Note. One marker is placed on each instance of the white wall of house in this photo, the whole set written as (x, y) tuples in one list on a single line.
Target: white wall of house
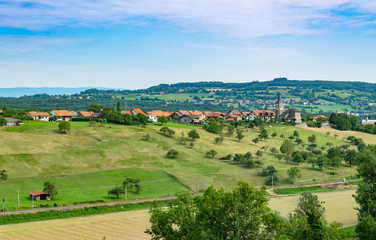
[(153, 118)]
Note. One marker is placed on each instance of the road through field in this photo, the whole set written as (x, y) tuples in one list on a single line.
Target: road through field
[(339, 207)]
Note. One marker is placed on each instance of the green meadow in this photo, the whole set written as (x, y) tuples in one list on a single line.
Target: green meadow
[(88, 161)]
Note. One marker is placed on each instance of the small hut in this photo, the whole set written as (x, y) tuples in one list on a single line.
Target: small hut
[(39, 196)]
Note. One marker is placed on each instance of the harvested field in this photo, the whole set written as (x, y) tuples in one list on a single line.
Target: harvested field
[(126, 226), (339, 206)]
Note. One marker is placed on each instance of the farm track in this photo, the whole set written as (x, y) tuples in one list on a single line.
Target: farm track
[(35, 210)]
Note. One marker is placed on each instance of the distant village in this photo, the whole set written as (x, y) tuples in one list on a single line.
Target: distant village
[(184, 116)]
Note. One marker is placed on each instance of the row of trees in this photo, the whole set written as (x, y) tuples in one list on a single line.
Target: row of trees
[(242, 213)]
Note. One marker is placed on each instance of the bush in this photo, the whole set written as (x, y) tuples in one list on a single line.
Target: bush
[(172, 153), (211, 153)]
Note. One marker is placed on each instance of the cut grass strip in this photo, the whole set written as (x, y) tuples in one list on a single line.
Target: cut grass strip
[(300, 190), (87, 211)]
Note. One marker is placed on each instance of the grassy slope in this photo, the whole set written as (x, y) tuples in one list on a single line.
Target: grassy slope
[(37, 150)]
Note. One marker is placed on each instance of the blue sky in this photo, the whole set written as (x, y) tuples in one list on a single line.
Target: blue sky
[(139, 43)]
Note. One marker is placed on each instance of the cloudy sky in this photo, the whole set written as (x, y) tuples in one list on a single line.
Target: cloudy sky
[(139, 43)]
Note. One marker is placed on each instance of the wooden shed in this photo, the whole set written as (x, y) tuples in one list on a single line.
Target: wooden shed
[(39, 196)]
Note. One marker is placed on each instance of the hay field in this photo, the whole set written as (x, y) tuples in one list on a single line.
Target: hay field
[(131, 225), (339, 206), (125, 226), (367, 138)]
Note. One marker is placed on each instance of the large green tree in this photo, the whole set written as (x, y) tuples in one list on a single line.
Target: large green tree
[(50, 188), (218, 214)]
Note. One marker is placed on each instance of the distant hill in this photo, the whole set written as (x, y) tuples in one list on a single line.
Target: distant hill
[(26, 91), (313, 96)]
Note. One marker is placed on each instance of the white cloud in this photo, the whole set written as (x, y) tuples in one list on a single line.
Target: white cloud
[(233, 18), (12, 45)]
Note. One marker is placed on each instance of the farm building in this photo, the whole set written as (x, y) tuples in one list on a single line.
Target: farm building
[(88, 114), (155, 114), (41, 116), (12, 121), (39, 196), (62, 115)]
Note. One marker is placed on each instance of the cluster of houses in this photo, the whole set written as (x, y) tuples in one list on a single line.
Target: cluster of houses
[(182, 116)]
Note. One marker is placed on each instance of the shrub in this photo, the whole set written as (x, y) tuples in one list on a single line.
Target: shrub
[(211, 153), (172, 153)]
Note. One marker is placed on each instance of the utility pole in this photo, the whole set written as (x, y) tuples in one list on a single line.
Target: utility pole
[(18, 199), (125, 192), (272, 181), (323, 172), (196, 182), (3, 204), (32, 198), (206, 185)]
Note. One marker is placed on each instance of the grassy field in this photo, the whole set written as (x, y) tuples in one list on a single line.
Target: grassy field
[(131, 225), (37, 150), (81, 188)]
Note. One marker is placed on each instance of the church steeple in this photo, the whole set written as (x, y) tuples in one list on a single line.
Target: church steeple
[(279, 106)]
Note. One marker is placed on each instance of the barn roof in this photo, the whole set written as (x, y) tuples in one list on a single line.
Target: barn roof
[(37, 193)]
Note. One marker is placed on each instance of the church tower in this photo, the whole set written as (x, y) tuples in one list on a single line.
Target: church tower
[(279, 107)]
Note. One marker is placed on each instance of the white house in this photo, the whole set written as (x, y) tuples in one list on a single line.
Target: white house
[(265, 115), (62, 115), (41, 116)]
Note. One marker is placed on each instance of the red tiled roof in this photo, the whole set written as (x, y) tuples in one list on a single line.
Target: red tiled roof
[(159, 113), (236, 112), (263, 112), (38, 114), (37, 193), (1, 111), (86, 114), (126, 112), (62, 113), (319, 116), (138, 110)]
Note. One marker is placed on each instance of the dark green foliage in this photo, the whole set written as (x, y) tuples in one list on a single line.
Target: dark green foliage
[(274, 134), (213, 126), (163, 119), (218, 140), (95, 108), (297, 157), (132, 183), (239, 134), (294, 173), (230, 130), (64, 126), (256, 140), (263, 134), (296, 134), (287, 147), (268, 171), (312, 139), (116, 191), (167, 131), (240, 214), (50, 188), (211, 153), (193, 135), (172, 154), (3, 175)]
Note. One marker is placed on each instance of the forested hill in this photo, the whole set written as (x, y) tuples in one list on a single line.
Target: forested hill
[(309, 96)]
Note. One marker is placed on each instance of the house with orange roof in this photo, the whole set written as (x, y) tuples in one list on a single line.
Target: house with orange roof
[(1, 111), (41, 116), (234, 113), (265, 115), (62, 115), (136, 111), (85, 114), (215, 115), (127, 112), (155, 114)]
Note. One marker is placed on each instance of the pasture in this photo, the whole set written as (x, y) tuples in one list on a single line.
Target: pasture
[(82, 188), (90, 157), (339, 206)]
